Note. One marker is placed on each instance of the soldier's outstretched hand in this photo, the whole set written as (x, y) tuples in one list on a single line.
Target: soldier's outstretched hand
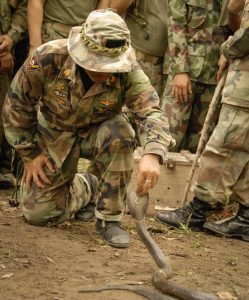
[(34, 171), (148, 173)]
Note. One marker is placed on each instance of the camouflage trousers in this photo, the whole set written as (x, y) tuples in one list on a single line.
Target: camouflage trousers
[(224, 164), (5, 149), (54, 31), (153, 68), (186, 119), (110, 148)]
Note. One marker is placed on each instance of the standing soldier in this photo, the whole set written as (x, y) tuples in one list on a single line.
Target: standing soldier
[(147, 21), (12, 29), (195, 36), (224, 165), (51, 20)]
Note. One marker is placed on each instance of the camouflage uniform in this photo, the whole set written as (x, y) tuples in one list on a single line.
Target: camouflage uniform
[(147, 21), (14, 25), (61, 15), (194, 42), (48, 110), (224, 168)]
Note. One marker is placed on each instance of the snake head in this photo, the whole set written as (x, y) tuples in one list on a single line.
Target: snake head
[(137, 205)]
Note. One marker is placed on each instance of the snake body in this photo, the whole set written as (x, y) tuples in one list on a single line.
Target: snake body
[(138, 207)]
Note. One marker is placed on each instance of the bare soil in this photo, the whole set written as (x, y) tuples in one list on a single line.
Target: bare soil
[(55, 263)]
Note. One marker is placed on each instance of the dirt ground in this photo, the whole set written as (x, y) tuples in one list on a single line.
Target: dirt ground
[(55, 263)]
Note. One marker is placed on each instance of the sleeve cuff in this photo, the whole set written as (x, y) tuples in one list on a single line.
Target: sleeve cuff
[(29, 154), (225, 47), (157, 149), (179, 68)]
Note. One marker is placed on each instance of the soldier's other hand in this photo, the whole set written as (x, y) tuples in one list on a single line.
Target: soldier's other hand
[(148, 173), (181, 87), (33, 48), (6, 44), (34, 171), (223, 63), (6, 63)]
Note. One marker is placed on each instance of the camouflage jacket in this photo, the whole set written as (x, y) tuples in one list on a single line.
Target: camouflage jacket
[(195, 38), (13, 19), (47, 107), (236, 49)]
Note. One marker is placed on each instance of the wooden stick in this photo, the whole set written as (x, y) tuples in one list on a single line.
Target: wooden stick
[(204, 134)]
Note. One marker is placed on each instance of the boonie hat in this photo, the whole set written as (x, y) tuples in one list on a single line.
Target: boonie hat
[(102, 43)]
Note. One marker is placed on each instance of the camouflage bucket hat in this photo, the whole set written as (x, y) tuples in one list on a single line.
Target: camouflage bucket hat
[(102, 43)]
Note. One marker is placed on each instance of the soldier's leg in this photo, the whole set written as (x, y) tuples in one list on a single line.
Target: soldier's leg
[(178, 114), (111, 147), (234, 176), (221, 166), (62, 199), (202, 97), (224, 158)]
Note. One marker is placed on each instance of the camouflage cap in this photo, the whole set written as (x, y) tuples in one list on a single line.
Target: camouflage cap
[(102, 43)]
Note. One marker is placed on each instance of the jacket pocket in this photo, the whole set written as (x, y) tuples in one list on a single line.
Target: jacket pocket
[(197, 13), (56, 100), (196, 57)]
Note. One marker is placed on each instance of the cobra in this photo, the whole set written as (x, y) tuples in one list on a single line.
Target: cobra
[(161, 278)]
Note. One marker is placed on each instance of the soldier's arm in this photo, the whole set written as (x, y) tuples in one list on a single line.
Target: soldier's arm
[(236, 6), (177, 36), (234, 10), (17, 29), (18, 26), (35, 18), (103, 4), (152, 125), (19, 111), (120, 5), (237, 45)]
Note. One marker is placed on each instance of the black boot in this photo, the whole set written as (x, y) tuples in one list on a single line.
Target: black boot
[(113, 233), (193, 215), (237, 226)]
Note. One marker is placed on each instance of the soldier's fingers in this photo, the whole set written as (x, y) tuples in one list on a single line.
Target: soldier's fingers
[(28, 179), (180, 97), (37, 181), (173, 93), (140, 183), (49, 165), (43, 176), (185, 94)]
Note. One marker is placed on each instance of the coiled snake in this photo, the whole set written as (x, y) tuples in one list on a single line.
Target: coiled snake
[(138, 207)]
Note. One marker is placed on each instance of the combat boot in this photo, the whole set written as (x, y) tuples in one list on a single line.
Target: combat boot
[(193, 215), (237, 226), (113, 233), (86, 213)]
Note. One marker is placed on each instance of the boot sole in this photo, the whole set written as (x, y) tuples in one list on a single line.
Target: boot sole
[(242, 237)]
